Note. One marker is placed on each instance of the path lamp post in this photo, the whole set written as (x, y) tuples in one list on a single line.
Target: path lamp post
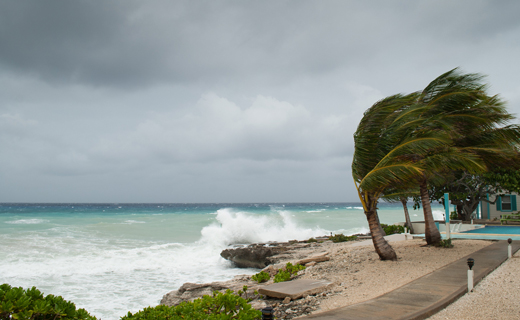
[(268, 313), (509, 249), (471, 263)]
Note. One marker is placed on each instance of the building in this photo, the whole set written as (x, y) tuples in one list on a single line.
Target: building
[(505, 204)]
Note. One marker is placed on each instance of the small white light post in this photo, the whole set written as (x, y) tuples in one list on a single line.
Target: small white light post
[(509, 248), (471, 263)]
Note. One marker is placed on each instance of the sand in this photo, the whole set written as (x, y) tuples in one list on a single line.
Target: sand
[(359, 275)]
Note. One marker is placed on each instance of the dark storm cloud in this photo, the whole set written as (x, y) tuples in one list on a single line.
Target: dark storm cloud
[(119, 43)]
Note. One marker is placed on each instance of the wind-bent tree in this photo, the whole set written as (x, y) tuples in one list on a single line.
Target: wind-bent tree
[(411, 140), (379, 163), (458, 105)]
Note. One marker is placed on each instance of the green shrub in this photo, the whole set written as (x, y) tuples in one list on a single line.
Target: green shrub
[(17, 303), (312, 240), (392, 229), (261, 277), (218, 306), (446, 243), (454, 215), (286, 273), (342, 238)]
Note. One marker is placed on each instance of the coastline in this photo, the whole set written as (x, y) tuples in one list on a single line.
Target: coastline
[(357, 274)]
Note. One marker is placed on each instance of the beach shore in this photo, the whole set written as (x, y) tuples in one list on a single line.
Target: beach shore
[(358, 274)]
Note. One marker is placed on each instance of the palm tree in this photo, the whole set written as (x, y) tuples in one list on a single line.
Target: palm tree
[(458, 105), (379, 162), (409, 140)]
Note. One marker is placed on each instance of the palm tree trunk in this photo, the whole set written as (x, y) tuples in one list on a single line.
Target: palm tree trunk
[(383, 249), (432, 234), (407, 214)]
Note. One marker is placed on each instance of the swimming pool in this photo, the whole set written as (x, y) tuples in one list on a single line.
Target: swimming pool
[(515, 230)]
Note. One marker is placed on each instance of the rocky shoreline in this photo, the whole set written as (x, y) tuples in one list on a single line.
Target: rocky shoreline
[(353, 268)]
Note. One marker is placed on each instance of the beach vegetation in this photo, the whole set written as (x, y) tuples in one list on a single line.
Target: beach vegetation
[(342, 238), (414, 141), (311, 240), (17, 303), (446, 243), (454, 215), (217, 306), (286, 273), (260, 277), (392, 229)]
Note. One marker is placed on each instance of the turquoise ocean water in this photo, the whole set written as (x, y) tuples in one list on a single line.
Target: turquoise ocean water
[(115, 258)]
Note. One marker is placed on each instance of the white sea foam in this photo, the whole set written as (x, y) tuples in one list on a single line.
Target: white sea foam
[(438, 214), (234, 227), (133, 221), (27, 221), (356, 208)]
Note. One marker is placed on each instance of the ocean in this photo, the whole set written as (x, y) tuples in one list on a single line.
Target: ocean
[(115, 258)]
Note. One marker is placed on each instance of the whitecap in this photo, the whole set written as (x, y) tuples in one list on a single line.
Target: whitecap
[(27, 221), (132, 222)]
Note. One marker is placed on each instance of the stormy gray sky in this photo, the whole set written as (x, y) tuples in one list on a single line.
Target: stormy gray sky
[(221, 101)]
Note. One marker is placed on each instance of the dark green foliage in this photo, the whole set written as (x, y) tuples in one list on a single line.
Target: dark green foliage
[(20, 304), (392, 229), (261, 277), (342, 238), (454, 215), (312, 240), (219, 306), (445, 243), (286, 273)]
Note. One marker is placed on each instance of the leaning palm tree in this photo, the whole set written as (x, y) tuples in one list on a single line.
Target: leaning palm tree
[(381, 162), (458, 105), (405, 141)]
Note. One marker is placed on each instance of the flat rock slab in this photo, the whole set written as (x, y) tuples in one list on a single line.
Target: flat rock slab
[(295, 289)]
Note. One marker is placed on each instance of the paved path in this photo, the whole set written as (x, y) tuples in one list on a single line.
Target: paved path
[(429, 294)]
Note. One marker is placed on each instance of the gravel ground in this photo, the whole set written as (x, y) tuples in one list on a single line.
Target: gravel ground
[(496, 297)]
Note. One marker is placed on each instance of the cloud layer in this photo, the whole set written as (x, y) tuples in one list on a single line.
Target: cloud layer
[(160, 101)]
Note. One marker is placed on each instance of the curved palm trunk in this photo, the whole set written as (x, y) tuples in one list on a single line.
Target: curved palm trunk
[(407, 214), (432, 234), (383, 249)]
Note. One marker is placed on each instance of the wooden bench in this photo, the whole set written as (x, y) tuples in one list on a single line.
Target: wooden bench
[(515, 217)]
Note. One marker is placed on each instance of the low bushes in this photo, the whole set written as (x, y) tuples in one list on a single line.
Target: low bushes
[(218, 306), (342, 238), (391, 229), (20, 304), (282, 275)]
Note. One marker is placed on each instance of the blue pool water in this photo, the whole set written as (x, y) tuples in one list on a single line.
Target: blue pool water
[(496, 230)]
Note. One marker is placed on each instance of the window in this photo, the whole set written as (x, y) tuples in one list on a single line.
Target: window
[(506, 203)]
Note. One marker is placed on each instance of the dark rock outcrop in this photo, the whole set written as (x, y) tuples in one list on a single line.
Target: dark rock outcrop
[(260, 255)]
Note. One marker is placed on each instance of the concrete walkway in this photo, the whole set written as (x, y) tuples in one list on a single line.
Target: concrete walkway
[(429, 294)]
